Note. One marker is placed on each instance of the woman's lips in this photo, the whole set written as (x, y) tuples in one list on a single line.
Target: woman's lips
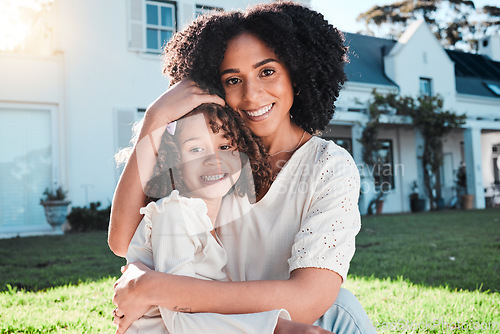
[(259, 113)]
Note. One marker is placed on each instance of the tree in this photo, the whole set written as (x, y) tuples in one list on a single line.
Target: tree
[(456, 23), (433, 122)]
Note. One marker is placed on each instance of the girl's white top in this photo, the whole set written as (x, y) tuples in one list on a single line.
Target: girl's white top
[(308, 218), (174, 237)]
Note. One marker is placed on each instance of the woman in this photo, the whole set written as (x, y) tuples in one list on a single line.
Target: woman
[(280, 66)]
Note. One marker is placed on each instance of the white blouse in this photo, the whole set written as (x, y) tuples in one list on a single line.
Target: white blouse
[(308, 218), (174, 237)]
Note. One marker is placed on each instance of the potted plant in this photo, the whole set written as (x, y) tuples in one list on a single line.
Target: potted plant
[(467, 200), (417, 204), (379, 202), (56, 207)]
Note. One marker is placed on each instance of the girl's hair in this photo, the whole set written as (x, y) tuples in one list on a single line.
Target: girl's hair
[(312, 50), (167, 174)]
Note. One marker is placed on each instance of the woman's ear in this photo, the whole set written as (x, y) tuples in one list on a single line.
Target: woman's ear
[(296, 91)]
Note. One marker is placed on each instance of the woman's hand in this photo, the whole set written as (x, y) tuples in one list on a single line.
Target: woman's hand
[(177, 101), (130, 296), (291, 327)]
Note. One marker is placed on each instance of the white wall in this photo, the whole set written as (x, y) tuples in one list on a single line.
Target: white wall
[(419, 55)]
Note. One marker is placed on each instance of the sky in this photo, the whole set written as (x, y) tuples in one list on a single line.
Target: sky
[(342, 13)]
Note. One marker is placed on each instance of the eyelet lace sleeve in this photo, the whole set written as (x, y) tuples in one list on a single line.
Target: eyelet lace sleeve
[(326, 238)]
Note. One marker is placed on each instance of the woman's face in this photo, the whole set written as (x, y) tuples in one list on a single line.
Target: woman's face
[(210, 164), (257, 84)]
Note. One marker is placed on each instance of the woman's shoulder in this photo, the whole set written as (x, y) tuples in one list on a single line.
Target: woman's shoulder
[(327, 152)]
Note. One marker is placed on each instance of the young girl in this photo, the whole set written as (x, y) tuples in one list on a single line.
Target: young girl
[(281, 67), (200, 160)]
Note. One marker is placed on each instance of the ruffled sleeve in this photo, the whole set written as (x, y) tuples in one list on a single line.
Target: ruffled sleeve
[(169, 205), (326, 238)]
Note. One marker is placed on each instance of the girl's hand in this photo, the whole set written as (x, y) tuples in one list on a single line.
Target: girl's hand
[(177, 101), (291, 327), (130, 296)]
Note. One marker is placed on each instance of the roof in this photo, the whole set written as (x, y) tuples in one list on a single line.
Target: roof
[(366, 62), (473, 72)]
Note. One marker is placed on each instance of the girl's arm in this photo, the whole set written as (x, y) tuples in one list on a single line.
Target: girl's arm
[(307, 295), (129, 195)]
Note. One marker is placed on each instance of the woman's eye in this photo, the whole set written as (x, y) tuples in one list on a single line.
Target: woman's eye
[(232, 81), (267, 72)]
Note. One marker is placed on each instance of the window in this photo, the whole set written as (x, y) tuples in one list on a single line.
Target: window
[(160, 24), (425, 87), (202, 9), (494, 88), (151, 23), (496, 163), (344, 142), (28, 165), (383, 171)]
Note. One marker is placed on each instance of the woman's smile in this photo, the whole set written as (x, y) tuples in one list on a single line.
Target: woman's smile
[(257, 113)]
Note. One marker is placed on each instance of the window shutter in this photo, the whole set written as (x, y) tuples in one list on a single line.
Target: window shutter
[(136, 25), (124, 122)]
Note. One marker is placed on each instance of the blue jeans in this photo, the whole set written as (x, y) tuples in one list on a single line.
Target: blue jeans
[(346, 316)]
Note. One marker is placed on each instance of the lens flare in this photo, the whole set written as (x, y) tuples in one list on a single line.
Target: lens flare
[(17, 18)]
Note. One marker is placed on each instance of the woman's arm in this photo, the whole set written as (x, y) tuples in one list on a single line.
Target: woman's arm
[(129, 195), (307, 295), (168, 238)]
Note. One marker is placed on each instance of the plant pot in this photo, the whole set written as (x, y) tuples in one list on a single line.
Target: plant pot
[(379, 205), (440, 203), (467, 201), (417, 204), (56, 213), (413, 196), (488, 201)]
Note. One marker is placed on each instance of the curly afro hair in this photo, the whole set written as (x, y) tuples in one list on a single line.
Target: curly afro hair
[(167, 174), (312, 50)]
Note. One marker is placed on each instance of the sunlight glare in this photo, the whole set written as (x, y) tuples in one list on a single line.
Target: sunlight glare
[(17, 18)]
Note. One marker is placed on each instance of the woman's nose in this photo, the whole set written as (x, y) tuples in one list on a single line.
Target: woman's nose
[(251, 89)]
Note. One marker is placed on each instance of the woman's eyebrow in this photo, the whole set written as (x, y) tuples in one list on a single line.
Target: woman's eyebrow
[(264, 62), (257, 65)]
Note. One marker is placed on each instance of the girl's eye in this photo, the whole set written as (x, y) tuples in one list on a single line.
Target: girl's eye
[(196, 149), (267, 72), (225, 147), (232, 81)]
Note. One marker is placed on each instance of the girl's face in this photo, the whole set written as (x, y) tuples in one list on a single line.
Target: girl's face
[(257, 84), (210, 164)]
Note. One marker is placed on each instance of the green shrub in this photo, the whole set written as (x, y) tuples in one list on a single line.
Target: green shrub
[(83, 219)]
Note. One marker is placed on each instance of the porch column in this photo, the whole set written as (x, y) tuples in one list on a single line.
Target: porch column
[(367, 186), (472, 150)]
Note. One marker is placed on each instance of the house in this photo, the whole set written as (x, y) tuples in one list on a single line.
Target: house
[(413, 65), (71, 91), (88, 70)]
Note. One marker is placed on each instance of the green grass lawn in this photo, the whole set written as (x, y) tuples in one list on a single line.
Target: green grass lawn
[(420, 273)]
